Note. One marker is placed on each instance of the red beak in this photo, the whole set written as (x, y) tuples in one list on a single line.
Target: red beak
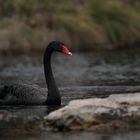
[(66, 51)]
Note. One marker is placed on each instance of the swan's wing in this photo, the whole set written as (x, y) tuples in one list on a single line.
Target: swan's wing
[(22, 94)]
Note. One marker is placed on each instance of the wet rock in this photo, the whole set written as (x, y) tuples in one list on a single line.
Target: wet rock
[(115, 113)]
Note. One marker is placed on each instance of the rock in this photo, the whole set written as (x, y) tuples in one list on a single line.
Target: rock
[(114, 113)]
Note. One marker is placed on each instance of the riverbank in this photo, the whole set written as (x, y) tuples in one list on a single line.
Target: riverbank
[(26, 27)]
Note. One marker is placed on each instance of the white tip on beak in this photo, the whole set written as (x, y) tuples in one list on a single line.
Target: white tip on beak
[(69, 53)]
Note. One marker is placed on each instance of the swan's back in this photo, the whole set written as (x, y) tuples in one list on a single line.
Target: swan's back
[(22, 94)]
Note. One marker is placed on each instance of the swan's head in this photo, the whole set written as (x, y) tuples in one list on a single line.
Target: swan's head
[(60, 47)]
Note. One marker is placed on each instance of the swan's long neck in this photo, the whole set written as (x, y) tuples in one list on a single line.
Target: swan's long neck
[(53, 97)]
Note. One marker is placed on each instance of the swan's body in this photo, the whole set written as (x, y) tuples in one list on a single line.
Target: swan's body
[(22, 94)]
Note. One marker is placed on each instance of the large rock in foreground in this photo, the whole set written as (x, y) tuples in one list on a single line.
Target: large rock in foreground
[(117, 112)]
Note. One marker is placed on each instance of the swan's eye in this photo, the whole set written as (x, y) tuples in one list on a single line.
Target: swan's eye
[(66, 51)]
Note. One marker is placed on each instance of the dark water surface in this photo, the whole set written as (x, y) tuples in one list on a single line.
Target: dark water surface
[(81, 76), (79, 136)]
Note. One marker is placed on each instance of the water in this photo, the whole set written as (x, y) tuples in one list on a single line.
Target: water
[(81, 76), (80, 136)]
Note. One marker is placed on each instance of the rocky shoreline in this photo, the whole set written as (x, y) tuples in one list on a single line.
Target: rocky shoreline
[(116, 113)]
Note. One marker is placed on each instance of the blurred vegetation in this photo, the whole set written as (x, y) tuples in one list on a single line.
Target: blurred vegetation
[(28, 25)]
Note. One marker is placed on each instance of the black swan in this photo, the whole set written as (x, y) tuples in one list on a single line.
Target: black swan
[(21, 94)]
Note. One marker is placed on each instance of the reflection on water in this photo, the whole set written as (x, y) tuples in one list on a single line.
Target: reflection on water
[(78, 77), (27, 111), (79, 136)]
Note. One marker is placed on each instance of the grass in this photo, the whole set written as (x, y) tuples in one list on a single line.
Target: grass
[(27, 26)]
